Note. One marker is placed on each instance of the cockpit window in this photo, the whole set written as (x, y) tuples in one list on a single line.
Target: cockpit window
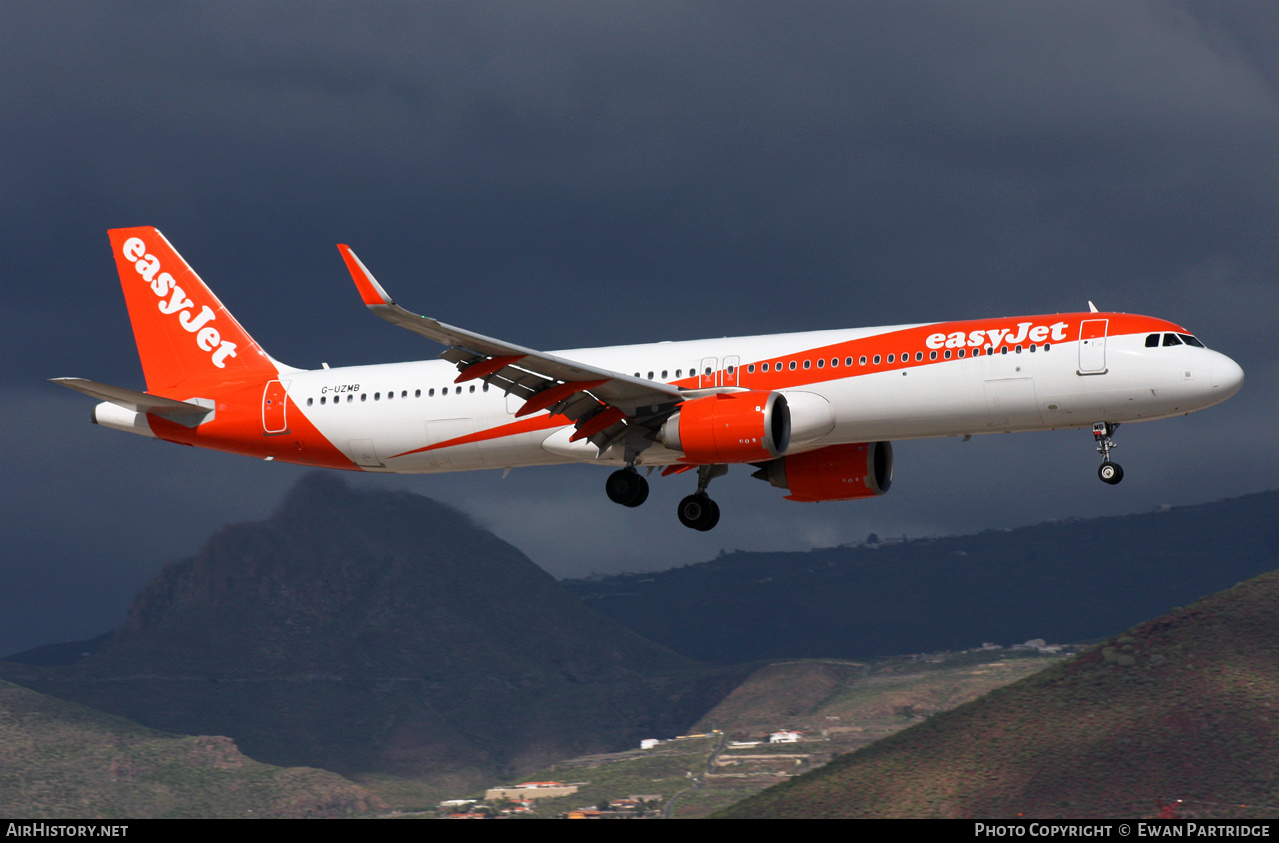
[(1171, 339), (1189, 340), (1152, 341)]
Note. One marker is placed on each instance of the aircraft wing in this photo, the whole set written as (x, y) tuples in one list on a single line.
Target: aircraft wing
[(603, 403)]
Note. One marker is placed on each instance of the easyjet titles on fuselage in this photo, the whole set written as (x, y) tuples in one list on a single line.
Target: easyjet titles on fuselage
[(994, 336)]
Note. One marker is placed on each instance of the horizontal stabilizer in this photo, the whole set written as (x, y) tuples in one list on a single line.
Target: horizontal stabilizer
[(138, 402)]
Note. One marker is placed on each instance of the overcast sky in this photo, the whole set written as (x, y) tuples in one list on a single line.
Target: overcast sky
[(572, 174)]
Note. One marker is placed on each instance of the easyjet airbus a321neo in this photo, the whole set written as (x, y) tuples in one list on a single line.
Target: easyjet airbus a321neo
[(813, 412)]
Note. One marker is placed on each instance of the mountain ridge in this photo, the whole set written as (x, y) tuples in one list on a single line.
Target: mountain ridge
[(1064, 581), (380, 633)]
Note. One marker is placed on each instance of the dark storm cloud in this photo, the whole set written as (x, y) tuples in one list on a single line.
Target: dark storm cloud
[(570, 174)]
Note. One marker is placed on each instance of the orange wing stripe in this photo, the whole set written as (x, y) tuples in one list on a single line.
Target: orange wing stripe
[(484, 368), (555, 394), (609, 417)]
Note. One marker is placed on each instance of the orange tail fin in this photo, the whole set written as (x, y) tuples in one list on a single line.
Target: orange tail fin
[(185, 336)]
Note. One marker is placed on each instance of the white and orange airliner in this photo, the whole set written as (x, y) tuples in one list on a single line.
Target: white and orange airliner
[(813, 412)]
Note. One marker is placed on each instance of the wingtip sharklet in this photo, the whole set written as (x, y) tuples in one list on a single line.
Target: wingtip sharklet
[(370, 290)]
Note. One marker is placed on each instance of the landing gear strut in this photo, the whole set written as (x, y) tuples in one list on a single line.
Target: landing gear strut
[(627, 487), (698, 511), (1109, 472)]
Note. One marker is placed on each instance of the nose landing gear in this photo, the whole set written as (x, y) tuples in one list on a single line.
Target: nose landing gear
[(1109, 472)]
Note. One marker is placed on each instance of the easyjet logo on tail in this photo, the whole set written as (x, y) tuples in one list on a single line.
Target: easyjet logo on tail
[(173, 300)]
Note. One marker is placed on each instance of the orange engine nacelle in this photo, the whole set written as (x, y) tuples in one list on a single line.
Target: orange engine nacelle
[(730, 427), (833, 473)]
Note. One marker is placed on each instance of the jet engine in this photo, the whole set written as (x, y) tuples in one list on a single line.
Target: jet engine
[(730, 427), (833, 473)]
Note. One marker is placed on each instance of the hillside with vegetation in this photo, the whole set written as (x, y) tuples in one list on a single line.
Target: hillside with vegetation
[(1183, 707), (835, 707), (61, 760)]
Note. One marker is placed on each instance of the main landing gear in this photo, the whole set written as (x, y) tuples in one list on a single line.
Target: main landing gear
[(627, 487), (1109, 472), (698, 511)]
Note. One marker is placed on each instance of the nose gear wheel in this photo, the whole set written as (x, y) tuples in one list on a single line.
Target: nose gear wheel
[(1109, 472)]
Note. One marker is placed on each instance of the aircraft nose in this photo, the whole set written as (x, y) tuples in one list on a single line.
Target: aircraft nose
[(1227, 377)]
